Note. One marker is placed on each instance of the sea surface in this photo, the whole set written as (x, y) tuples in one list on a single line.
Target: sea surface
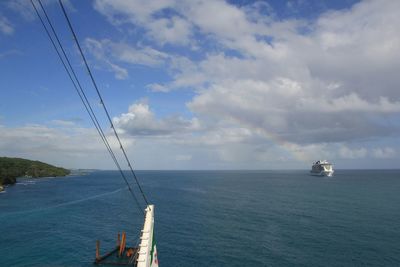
[(208, 218)]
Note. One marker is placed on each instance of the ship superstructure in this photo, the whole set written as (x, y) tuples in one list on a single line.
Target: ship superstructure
[(322, 168)]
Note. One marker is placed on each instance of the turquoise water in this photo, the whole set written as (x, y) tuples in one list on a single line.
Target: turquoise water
[(209, 218)]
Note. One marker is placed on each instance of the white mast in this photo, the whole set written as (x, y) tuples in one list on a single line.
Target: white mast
[(146, 243)]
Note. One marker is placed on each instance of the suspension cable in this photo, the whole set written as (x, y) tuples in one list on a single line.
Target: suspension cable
[(101, 100), (81, 92)]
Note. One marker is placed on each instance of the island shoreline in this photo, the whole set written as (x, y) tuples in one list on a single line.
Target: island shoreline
[(13, 168)]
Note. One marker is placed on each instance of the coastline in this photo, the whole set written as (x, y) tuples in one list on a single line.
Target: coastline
[(22, 178)]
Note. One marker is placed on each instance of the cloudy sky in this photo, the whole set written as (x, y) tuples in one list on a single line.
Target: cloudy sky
[(207, 84)]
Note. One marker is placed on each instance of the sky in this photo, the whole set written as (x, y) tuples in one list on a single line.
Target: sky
[(206, 84)]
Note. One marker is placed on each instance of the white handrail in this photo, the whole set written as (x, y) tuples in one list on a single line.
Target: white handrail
[(144, 259)]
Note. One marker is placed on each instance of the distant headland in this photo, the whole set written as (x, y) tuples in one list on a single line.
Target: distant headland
[(12, 168)]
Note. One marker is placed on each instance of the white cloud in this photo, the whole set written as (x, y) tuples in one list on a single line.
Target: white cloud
[(304, 84), (97, 49), (183, 157), (50, 144), (24, 7), (266, 89), (146, 56), (173, 29), (10, 53), (348, 153), (138, 11), (120, 72), (362, 152), (5, 26), (219, 18), (64, 123), (308, 83), (107, 52), (384, 153), (141, 121), (351, 102), (67, 144), (155, 87)]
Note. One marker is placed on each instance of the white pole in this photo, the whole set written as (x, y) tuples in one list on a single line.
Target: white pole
[(144, 258)]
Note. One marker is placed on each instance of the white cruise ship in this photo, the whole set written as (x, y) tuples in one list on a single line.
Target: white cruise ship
[(322, 168)]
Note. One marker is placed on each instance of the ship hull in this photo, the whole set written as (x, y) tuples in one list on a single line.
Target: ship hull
[(322, 173)]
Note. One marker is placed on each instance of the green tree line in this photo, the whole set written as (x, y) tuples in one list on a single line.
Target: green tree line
[(11, 168)]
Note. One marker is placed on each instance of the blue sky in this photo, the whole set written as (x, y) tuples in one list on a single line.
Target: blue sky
[(207, 84)]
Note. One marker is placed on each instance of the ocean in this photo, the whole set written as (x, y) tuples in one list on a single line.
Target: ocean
[(208, 218)]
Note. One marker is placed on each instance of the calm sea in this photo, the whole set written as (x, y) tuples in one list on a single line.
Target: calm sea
[(209, 218)]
